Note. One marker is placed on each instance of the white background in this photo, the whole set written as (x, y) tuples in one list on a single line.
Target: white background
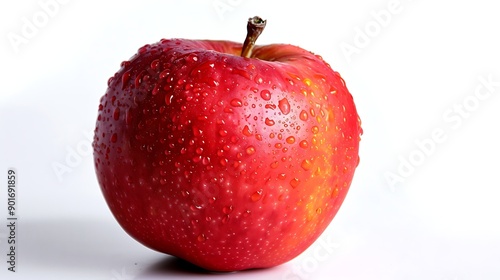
[(413, 68)]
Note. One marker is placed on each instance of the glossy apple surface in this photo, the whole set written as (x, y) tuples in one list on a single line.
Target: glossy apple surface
[(228, 162)]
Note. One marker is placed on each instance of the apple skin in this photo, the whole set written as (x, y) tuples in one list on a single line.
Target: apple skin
[(227, 162)]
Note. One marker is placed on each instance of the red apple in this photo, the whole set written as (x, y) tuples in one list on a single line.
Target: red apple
[(228, 161)]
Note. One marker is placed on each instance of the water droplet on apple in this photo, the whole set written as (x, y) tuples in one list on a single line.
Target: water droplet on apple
[(156, 89), (242, 72), (250, 150), (222, 132), (227, 209), (284, 106), (246, 131), (201, 238), (138, 80), (125, 63), (307, 81), (315, 142), (270, 106), (318, 211), (258, 137), (205, 161), (143, 49), (256, 196), (306, 164), (303, 144), (197, 132), (247, 213), (168, 99), (225, 219), (315, 129), (303, 115), (269, 122), (290, 140), (125, 79), (294, 182), (155, 64), (265, 94), (192, 57), (275, 164), (236, 102), (164, 74), (195, 207), (110, 80), (197, 159), (116, 113)]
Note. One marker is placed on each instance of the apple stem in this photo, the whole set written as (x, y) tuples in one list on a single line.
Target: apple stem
[(254, 29)]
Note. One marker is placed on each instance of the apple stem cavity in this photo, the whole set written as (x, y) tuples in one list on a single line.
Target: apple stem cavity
[(255, 27)]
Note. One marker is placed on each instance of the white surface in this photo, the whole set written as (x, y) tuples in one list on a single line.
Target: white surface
[(408, 78)]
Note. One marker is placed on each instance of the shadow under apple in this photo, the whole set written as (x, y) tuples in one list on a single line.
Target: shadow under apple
[(170, 265)]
